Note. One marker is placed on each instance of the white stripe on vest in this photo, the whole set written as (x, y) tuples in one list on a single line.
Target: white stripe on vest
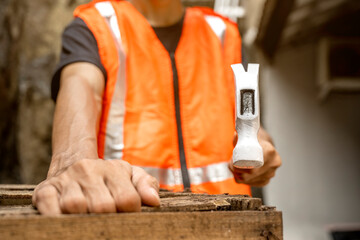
[(114, 139)]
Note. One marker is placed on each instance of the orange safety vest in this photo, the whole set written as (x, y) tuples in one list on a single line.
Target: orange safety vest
[(138, 120)]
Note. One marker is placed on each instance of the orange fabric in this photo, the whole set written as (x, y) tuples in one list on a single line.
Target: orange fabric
[(206, 89), (227, 186)]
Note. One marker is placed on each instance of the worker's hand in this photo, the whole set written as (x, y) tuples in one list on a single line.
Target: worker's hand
[(259, 177), (96, 186)]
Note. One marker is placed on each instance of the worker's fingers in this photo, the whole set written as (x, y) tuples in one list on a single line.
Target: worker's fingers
[(259, 180), (121, 187), (256, 172), (89, 175), (72, 199), (238, 172), (34, 196), (259, 176), (147, 187), (271, 156), (96, 186), (46, 200), (238, 178), (99, 199)]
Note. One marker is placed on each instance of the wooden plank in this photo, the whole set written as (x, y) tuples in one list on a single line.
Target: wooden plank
[(180, 216), (204, 202), (170, 201), (21, 210), (170, 225), (16, 194), (17, 187), (17, 210), (15, 197), (194, 202)]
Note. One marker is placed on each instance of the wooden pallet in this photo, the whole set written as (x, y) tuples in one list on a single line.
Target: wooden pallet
[(180, 216)]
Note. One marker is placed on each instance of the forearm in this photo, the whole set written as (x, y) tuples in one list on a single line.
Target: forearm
[(76, 121)]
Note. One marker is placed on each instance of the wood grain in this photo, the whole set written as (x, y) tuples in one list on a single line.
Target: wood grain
[(180, 216), (180, 225), (15, 194)]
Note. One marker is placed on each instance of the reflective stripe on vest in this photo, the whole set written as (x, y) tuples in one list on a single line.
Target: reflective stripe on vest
[(212, 173), (218, 26), (114, 140)]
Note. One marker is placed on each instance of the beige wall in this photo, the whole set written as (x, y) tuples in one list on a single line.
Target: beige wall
[(319, 182)]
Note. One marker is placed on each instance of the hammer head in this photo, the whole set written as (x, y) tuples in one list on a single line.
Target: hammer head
[(247, 152)]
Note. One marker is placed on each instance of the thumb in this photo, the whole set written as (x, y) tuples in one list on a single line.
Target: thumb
[(146, 186)]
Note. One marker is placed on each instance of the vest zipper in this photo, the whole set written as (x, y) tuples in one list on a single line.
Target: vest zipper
[(184, 170)]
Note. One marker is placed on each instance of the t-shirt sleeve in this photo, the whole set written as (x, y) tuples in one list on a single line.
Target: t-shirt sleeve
[(78, 45)]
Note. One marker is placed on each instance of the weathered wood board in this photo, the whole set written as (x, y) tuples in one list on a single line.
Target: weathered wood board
[(180, 216), (16, 194)]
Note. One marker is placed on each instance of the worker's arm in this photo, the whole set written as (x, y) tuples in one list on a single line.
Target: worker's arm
[(259, 177), (78, 181)]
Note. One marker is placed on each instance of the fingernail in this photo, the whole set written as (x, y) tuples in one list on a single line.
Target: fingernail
[(155, 193)]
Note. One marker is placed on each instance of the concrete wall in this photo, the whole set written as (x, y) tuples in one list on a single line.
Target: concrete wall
[(319, 182)]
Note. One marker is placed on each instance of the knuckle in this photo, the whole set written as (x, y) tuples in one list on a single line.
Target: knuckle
[(278, 162), (124, 164), (152, 181), (45, 193), (270, 149), (139, 175), (120, 165), (139, 170)]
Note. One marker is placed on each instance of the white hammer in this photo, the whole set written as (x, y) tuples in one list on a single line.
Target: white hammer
[(247, 152)]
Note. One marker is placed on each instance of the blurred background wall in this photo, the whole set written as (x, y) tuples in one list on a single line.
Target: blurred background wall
[(29, 47), (319, 142), (309, 52)]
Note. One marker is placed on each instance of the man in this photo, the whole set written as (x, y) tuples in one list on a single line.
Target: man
[(148, 85)]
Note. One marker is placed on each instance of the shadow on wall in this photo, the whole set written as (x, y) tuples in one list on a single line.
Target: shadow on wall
[(30, 38)]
